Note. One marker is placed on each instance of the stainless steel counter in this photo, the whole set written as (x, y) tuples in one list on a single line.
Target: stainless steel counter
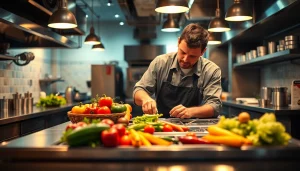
[(40, 151), (255, 107)]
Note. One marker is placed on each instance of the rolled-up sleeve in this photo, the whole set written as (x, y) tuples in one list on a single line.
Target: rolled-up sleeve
[(212, 91), (148, 80)]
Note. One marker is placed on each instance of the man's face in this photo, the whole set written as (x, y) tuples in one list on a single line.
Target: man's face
[(186, 56)]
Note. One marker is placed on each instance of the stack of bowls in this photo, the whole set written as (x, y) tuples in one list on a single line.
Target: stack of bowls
[(291, 42), (261, 51), (280, 47)]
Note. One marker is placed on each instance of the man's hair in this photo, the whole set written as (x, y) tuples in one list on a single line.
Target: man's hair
[(195, 36)]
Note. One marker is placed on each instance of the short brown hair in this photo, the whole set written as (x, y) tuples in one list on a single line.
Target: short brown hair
[(195, 36)]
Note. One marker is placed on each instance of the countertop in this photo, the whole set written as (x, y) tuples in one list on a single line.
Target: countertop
[(19, 115), (42, 151), (255, 107)]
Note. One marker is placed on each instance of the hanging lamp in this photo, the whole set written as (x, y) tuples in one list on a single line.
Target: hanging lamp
[(218, 24), (98, 47), (62, 18), (214, 38), (238, 12), (170, 25), (92, 38), (171, 6)]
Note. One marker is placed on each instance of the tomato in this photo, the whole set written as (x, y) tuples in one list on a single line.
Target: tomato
[(193, 134), (71, 126), (125, 140), (108, 122), (105, 101), (81, 124), (128, 107), (90, 110), (103, 110), (120, 128), (118, 108), (78, 109), (110, 138), (167, 128), (149, 129)]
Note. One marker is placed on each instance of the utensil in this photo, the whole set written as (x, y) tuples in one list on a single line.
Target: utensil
[(271, 47)]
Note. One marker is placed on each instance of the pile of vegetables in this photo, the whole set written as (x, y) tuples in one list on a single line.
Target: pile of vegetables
[(106, 133), (51, 101), (263, 131), (103, 105)]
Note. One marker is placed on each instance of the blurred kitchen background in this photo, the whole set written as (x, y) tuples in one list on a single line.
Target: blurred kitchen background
[(130, 31)]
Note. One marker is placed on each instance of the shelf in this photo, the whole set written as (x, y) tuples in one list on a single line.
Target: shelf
[(286, 18), (51, 80), (6, 57), (271, 58)]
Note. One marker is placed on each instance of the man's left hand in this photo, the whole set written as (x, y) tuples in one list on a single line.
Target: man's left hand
[(180, 111)]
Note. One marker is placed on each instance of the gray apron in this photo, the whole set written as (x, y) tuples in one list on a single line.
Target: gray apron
[(171, 96)]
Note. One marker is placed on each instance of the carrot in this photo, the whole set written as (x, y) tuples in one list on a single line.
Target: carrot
[(144, 140), (135, 138), (233, 141), (175, 127), (215, 130), (155, 140)]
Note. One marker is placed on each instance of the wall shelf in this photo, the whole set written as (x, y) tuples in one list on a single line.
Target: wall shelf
[(285, 55), (51, 80), (6, 57), (265, 28)]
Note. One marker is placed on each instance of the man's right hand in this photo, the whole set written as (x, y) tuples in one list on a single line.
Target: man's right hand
[(149, 106)]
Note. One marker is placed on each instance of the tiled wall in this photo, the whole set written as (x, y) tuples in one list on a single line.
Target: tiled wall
[(280, 74), (14, 78)]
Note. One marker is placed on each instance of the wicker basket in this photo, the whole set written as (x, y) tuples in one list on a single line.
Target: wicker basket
[(74, 118)]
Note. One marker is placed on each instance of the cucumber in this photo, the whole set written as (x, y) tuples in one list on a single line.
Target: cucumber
[(86, 135)]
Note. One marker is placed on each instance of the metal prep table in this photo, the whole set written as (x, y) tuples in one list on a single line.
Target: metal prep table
[(40, 151)]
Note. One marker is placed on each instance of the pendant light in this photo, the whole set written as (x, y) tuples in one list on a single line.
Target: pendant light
[(238, 12), (170, 25), (171, 6), (92, 38), (214, 38), (62, 18), (98, 47), (218, 24)]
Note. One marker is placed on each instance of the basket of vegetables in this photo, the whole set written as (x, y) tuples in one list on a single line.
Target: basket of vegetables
[(103, 108)]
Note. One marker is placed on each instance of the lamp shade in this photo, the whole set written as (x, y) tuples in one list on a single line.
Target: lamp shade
[(214, 38), (238, 12), (62, 18), (92, 38), (171, 6), (218, 24), (170, 25), (98, 47)]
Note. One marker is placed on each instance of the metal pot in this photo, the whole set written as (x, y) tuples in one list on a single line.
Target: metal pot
[(280, 96)]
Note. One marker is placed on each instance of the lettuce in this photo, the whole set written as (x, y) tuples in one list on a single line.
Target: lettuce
[(146, 118)]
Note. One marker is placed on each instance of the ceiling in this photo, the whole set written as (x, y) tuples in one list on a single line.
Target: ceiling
[(106, 13)]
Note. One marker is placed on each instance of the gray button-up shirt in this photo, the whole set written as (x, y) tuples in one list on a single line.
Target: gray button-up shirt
[(209, 78)]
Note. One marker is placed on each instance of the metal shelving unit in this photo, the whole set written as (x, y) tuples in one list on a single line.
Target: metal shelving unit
[(285, 55)]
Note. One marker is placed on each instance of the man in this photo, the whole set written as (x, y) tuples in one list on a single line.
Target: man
[(184, 83)]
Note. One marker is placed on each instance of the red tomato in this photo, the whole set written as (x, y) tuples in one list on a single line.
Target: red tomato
[(90, 110), (125, 140), (120, 128), (167, 128), (105, 101), (71, 126), (81, 124), (110, 138), (149, 129), (193, 134), (108, 122), (103, 110)]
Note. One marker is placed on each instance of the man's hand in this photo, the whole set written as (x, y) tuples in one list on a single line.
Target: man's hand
[(180, 111), (149, 106)]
